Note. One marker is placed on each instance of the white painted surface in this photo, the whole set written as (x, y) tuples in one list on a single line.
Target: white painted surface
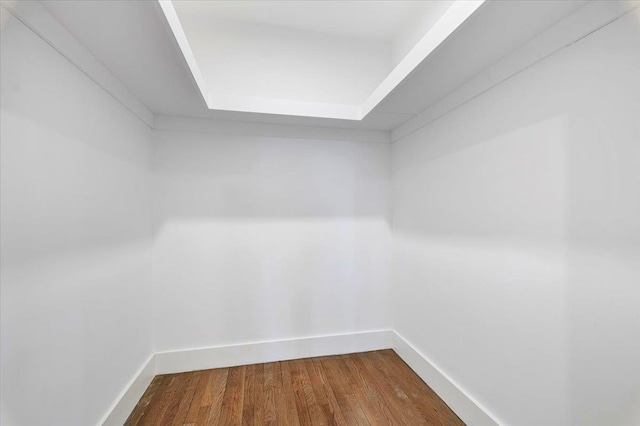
[(468, 409), (185, 47), (75, 241), (36, 17), (162, 80), (415, 27), (265, 61), (130, 396), (223, 127), (270, 351), (452, 19), (516, 238), (574, 27), (262, 238), (314, 59), (473, 48), (248, 65), (382, 21)]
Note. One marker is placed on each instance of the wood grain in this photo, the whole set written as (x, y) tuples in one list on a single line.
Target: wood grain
[(368, 389)]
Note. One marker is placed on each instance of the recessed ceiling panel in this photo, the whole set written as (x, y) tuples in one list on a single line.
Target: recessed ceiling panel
[(313, 58)]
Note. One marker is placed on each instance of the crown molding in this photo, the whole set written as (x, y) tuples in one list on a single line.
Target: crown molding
[(585, 21), (35, 17), (246, 128)]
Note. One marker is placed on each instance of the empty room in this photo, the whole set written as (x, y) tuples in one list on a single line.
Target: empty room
[(333, 212)]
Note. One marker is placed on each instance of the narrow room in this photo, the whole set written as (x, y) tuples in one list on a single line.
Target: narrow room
[(320, 212)]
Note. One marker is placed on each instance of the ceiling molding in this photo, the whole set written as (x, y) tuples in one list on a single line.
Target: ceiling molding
[(452, 19), (586, 20), (243, 128), (168, 15), (35, 17), (224, 102)]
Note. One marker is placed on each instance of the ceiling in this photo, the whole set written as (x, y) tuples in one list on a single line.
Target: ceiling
[(332, 59), (133, 41), (371, 20)]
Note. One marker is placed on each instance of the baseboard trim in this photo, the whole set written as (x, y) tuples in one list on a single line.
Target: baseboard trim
[(129, 397), (270, 351), (466, 407)]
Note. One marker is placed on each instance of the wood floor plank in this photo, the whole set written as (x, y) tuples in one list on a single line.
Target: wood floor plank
[(248, 409), (304, 388), (360, 389), (369, 383), (426, 401), (216, 395), (232, 404), (214, 379), (298, 390), (348, 403), (432, 408), (159, 403), (175, 393), (290, 409), (187, 399), (270, 384), (324, 393), (365, 389), (258, 396), (142, 405), (198, 395), (381, 381)]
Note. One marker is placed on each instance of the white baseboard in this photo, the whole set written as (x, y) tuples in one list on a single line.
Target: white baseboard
[(269, 351), (468, 409), (460, 402), (127, 400)]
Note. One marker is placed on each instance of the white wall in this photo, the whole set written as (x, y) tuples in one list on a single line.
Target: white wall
[(516, 238), (75, 241), (516, 247), (263, 238)]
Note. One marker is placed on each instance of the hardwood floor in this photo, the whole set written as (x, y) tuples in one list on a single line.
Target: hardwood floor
[(370, 388)]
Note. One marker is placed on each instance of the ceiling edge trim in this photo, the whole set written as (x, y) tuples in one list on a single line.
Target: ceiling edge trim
[(247, 128), (583, 22), (35, 17), (444, 27), (219, 101), (169, 16)]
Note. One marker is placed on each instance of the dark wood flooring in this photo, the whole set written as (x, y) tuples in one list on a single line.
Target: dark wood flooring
[(370, 388)]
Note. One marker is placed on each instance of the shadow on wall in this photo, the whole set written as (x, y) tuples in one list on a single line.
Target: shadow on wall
[(62, 315), (475, 257), (603, 237), (205, 175), (261, 238), (75, 241), (516, 229)]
